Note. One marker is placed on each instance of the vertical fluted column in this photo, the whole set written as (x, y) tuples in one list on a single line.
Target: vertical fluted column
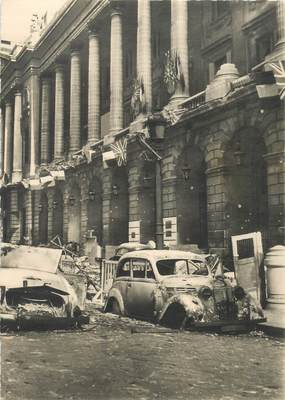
[(18, 144), (8, 137), (2, 124), (35, 121), (280, 11), (45, 120), (116, 72), (74, 127), (94, 89), (179, 43), (59, 113), (144, 50)]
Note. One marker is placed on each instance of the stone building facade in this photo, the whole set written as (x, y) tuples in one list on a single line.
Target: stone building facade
[(78, 108)]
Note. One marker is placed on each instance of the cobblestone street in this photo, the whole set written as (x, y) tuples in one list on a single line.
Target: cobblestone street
[(119, 358)]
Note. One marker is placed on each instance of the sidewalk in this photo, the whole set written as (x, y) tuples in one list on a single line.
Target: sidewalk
[(275, 325)]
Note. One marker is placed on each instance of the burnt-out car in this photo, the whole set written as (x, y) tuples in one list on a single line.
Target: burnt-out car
[(124, 248), (178, 289), (34, 293)]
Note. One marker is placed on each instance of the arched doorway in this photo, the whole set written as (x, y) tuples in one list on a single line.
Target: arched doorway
[(94, 210), (246, 206), (57, 220), (191, 198), (119, 221), (74, 215), (43, 218)]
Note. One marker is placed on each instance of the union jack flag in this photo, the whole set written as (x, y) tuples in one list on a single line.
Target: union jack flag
[(279, 75), (120, 150)]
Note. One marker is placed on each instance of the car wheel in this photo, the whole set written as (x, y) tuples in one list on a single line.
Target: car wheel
[(115, 308)]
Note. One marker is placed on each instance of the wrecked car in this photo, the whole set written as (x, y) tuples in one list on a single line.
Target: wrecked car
[(178, 289), (34, 293), (130, 246)]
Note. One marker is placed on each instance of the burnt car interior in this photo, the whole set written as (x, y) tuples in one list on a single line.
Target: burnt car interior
[(180, 267)]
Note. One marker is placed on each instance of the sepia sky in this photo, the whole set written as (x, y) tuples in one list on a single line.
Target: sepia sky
[(16, 16)]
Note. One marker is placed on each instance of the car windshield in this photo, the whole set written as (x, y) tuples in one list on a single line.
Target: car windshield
[(180, 267)]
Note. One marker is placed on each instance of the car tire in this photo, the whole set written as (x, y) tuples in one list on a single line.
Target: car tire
[(115, 307)]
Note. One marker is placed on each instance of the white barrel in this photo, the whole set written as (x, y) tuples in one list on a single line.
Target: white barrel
[(275, 263)]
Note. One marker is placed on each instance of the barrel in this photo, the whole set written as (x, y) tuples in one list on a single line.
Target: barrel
[(275, 275)]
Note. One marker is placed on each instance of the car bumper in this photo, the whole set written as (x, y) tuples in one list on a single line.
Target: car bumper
[(229, 325), (40, 322)]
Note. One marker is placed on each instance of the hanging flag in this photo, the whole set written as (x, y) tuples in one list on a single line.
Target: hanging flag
[(120, 150)]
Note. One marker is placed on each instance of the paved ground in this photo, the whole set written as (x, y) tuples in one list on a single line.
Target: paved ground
[(117, 358)]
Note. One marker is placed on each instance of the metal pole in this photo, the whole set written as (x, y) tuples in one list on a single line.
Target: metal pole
[(158, 206)]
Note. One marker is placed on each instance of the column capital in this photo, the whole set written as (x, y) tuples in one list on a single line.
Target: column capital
[(59, 67), (8, 102), (45, 79), (116, 9)]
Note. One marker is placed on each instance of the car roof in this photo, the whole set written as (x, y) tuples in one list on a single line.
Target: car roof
[(133, 245), (164, 254)]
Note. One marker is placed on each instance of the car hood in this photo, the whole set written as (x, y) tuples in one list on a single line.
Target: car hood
[(29, 257), (15, 278), (186, 281)]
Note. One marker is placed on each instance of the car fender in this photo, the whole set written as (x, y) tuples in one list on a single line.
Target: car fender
[(115, 294), (191, 304)]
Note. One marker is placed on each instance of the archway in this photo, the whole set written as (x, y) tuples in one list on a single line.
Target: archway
[(57, 220), (74, 215), (246, 182), (43, 219), (119, 221), (191, 198), (94, 210)]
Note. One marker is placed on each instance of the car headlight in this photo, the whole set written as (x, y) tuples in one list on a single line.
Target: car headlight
[(205, 292), (239, 293)]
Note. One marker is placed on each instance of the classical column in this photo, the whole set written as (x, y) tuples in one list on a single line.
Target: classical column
[(35, 122), (18, 143), (94, 89), (144, 50), (116, 72), (8, 136), (45, 120), (179, 44), (59, 113), (280, 11), (74, 127), (2, 124)]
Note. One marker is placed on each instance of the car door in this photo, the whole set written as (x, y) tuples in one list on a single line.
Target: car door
[(140, 289), (122, 279)]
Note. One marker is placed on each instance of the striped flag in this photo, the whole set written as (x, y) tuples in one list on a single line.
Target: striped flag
[(120, 150)]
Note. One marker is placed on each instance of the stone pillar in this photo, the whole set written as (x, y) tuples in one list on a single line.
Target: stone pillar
[(218, 235), (94, 132), (59, 113), (2, 124), (45, 120), (36, 197), (14, 223), (144, 70), (106, 206), (280, 11), (116, 72), (179, 44), (50, 214), (35, 122), (75, 117), (18, 143), (29, 217), (8, 138), (276, 196)]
